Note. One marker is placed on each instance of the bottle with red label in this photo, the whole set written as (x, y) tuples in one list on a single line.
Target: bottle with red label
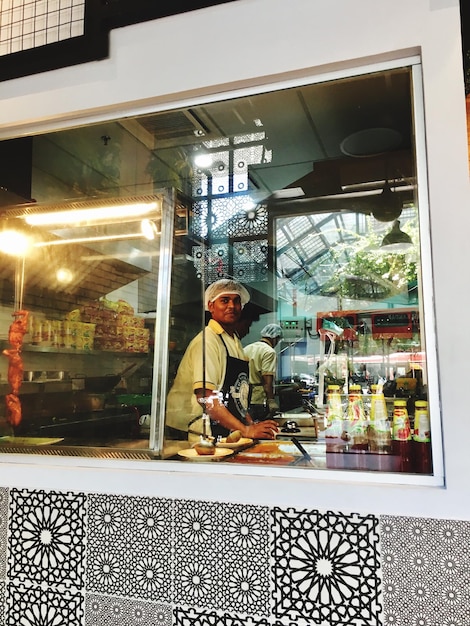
[(422, 439), (401, 436)]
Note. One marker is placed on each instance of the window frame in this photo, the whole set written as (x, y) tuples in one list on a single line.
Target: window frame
[(162, 319)]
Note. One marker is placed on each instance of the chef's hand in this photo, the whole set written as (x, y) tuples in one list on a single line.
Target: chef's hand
[(262, 430)]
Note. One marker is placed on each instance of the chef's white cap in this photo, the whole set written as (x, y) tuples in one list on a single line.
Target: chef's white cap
[(225, 287), (272, 331)]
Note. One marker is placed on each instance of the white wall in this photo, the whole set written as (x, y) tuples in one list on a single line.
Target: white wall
[(255, 42)]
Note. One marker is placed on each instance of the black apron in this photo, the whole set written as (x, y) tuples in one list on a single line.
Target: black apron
[(235, 391)]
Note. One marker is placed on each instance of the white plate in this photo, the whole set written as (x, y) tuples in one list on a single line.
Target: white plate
[(194, 456), (243, 441)]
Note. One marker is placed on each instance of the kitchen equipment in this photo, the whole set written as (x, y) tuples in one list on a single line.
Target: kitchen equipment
[(205, 446), (290, 427), (102, 384), (304, 452)]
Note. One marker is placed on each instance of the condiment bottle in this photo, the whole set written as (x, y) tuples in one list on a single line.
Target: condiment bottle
[(356, 420), (422, 439), (334, 413), (379, 435), (401, 436)]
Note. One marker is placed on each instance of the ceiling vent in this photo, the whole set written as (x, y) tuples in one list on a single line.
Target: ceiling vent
[(174, 128)]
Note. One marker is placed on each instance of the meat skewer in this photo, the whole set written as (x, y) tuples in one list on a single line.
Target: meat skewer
[(16, 333)]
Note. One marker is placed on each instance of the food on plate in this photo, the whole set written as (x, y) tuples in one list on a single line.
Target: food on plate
[(233, 437)]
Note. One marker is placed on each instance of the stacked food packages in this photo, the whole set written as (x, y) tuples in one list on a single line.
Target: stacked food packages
[(96, 325)]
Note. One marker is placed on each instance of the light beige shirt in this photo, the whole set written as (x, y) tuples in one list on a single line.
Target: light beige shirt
[(182, 405), (263, 360)]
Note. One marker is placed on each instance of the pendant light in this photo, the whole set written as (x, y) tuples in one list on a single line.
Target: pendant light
[(396, 240)]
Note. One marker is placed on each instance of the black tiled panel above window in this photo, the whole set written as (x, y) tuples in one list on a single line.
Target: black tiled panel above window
[(37, 37)]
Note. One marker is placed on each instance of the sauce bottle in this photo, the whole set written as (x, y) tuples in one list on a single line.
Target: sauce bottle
[(356, 425), (422, 439), (379, 435), (401, 436), (334, 413)]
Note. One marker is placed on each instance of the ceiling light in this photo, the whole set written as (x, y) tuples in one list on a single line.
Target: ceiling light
[(388, 205), (64, 275), (371, 142), (91, 239), (288, 192), (203, 160), (149, 229), (14, 242), (77, 216), (396, 240)]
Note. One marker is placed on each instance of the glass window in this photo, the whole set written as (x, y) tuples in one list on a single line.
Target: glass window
[(237, 281)]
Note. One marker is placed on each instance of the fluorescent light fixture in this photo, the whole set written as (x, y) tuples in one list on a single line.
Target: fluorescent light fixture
[(92, 214), (92, 239), (288, 192)]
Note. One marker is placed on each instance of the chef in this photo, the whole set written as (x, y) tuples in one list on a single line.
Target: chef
[(222, 386)]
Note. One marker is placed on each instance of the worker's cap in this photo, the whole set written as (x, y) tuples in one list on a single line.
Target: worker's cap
[(272, 331), (225, 287)]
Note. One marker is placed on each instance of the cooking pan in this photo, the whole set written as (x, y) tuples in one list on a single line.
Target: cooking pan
[(103, 384)]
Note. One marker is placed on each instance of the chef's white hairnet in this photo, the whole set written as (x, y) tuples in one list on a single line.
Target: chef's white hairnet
[(272, 331), (225, 287)]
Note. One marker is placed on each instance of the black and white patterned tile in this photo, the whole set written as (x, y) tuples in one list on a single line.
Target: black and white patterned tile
[(186, 616), (38, 605), (47, 539), (426, 571), (129, 551), (2, 602), (222, 556), (103, 610), (326, 568), (3, 532)]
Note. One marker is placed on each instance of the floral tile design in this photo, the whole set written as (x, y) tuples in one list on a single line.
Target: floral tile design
[(208, 617), (2, 602), (326, 568), (38, 605), (47, 538), (426, 571), (222, 556), (3, 532), (130, 546), (118, 611)]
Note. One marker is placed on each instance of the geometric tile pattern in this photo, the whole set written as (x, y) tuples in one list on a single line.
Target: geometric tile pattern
[(198, 617), (103, 610), (426, 571), (3, 533), (326, 568), (109, 560), (47, 532), (129, 546), (41, 606), (222, 556)]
